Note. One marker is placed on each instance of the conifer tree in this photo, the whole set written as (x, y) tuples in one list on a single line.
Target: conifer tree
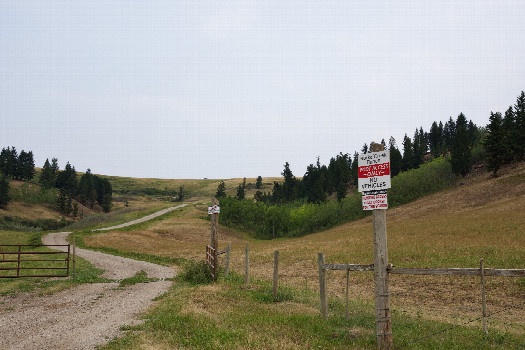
[(511, 137), (460, 154), (47, 178), (408, 154), (241, 190), (519, 110), (396, 160), (435, 139), (258, 183), (221, 190), (494, 143)]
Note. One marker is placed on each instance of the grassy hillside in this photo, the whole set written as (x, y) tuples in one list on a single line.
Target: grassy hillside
[(195, 188), (482, 217)]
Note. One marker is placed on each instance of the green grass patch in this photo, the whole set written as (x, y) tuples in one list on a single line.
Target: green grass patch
[(139, 277), (160, 260), (34, 194), (228, 315)]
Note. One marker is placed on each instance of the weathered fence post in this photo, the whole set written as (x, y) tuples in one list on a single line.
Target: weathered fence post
[(74, 259), (275, 273), (483, 305), (227, 267), (214, 239), (347, 287), (382, 295), (322, 285), (246, 264)]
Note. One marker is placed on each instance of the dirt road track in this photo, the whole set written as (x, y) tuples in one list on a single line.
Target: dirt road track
[(85, 316)]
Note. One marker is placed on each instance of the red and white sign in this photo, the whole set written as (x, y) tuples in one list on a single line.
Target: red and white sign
[(373, 171), (215, 209), (375, 200)]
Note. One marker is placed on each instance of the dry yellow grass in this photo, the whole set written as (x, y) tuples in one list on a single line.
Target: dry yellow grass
[(481, 218)]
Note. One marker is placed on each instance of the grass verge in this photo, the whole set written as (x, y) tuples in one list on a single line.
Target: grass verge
[(229, 315)]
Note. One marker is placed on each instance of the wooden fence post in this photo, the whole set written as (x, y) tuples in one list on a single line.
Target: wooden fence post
[(227, 268), (246, 264), (382, 294), (483, 304), (74, 259), (347, 287), (275, 273), (322, 285)]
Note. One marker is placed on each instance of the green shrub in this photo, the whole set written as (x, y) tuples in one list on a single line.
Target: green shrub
[(34, 194), (197, 273), (271, 221)]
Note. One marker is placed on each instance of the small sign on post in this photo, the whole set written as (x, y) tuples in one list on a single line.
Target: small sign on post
[(374, 179)]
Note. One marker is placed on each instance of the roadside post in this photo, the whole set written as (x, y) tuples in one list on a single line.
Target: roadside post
[(211, 257), (373, 182)]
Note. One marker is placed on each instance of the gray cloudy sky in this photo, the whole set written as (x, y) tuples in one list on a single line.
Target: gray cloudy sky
[(220, 89)]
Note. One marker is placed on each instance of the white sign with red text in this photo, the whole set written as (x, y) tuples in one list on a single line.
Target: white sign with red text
[(214, 209), (373, 171), (375, 200)]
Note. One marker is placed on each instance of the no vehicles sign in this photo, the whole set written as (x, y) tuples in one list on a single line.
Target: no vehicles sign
[(374, 179), (373, 171), (214, 209)]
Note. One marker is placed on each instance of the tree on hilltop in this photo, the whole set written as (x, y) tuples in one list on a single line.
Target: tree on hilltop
[(258, 183), (47, 176), (494, 143), (221, 190), (460, 154)]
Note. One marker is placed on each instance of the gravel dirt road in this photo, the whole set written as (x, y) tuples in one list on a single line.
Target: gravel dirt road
[(85, 316)]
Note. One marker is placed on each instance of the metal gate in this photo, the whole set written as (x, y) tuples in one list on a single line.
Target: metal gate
[(15, 259)]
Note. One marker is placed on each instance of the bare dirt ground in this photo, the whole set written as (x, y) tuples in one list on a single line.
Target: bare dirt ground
[(85, 316)]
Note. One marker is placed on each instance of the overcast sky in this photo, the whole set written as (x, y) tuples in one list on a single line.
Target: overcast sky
[(221, 89)]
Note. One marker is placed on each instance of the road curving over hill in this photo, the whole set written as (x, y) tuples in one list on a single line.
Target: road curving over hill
[(85, 316)]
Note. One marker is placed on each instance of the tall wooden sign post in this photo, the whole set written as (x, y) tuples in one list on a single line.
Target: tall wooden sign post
[(214, 241), (374, 179)]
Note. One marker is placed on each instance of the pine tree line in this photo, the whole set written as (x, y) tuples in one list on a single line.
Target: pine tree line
[(89, 190), (459, 141)]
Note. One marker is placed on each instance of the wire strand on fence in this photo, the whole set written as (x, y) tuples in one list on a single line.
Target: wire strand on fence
[(463, 324)]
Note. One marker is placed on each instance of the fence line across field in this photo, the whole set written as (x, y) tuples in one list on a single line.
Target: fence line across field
[(481, 271)]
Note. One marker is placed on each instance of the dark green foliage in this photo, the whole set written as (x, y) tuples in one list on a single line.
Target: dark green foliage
[(181, 194), (25, 169), (8, 161), (13, 223), (271, 221), (66, 180), (258, 183), (408, 154), (460, 153), (258, 196), (241, 190), (435, 139), (221, 190), (396, 160), (47, 176), (87, 192), (341, 191), (75, 209), (4, 191), (519, 110), (495, 143), (419, 147), (197, 273)]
